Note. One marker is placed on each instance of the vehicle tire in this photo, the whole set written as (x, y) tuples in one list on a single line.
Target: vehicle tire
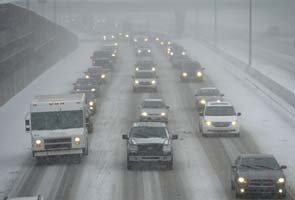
[(129, 165), (238, 196), (134, 90), (170, 165), (90, 128), (85, 150), (232, 186), (39, 161)]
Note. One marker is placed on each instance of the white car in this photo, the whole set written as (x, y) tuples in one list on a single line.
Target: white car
[(154, 110), (39, 197), (145, 80), (205, 95), (219, 118)]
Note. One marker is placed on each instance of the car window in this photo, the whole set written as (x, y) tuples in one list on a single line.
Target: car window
[(153, 104), (220, 111), (148, 132), (260, 163)]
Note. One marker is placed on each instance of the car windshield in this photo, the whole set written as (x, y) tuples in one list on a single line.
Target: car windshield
[(57, 120), (153, 104), (209, 92), (148, 132), (259, 163), (94, 70), (145, 64), (220, 111), (144, 75), (102, 62)]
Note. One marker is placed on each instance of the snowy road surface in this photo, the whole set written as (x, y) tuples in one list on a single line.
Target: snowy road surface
[(202, 165)]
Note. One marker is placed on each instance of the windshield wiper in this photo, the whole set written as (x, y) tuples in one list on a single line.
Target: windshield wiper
[(266, 167), (249, 166)]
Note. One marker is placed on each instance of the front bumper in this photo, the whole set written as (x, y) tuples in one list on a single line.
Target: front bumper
[(272, 191), (140, 86), (153, 119), (57, 152), (150, 158), (231, 130), (191, 78)]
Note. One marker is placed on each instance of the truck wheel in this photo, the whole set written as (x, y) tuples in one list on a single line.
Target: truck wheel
[(232, 186), (129, 165), (90, 128), (85, 150)]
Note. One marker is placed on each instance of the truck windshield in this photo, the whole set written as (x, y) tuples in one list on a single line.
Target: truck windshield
[(148, 132), (57, 120), (220, 111)]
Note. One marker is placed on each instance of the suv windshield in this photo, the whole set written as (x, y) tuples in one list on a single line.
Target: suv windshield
[(145, 75), (153, 104), (148, 132), (101, 54), (266, 162), (220, 111), (86, 82), (211, 92), (57, 120)]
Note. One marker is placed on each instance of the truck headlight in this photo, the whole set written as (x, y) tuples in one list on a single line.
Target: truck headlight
[(87, 77), (242, 180), (93, 89), (208, 123), (136, 82), (199, 74), (163, 114), (144, 114), (153, 82), (167, 148), (184, 74), (233, 123), (113, 55), (102, 76), (203, 101), (38, 142), (281, 180), (77, 140), (91, 103), (133, 148)]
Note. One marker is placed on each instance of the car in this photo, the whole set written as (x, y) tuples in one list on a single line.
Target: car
[(38, 197), (145, 64), (191, 71), (205, 95), (90, 100), (143, 52), (219, 118), (175, 50), (154, 110), (103, 59), (145, 80), (97, 73), (112, 49), (258, 175), (149, 142), (83, 84), (178, 60)]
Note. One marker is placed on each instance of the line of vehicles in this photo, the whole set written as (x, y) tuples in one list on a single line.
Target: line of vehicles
[(59, 124)]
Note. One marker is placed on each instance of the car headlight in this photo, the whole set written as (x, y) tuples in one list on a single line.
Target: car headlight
[(184, 74), (136, 82), (203, 101), (136, 68), (91, 108), (144, 114), (233, 123), (199, 74), (168, 42), (171, 53), (77, 140), (242, 180), (113, 55), (93, 89), (127, 36), (139, 51), (281, 180), (91, 103), (208, 123), (146, 39), (149, 51), (104, 37), (116, 44), (153, 82), (135, 40), (183, 53), (102, 76), (157, 39), (113, 36), (153, 69), (163, 114), (133, 148), (87, 77), (38, 142), (77, 90), (162, 43)]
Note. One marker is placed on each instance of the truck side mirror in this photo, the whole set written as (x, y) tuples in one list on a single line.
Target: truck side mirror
[(174, 137), (125, 137), (239, 114), (28, 127)]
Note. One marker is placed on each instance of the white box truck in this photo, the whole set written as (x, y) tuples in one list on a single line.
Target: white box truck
[(59, 126)]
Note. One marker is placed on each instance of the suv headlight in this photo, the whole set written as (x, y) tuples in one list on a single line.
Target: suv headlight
[(199, 74), (38, 142), (91, 103), (281, 180), (242, 180), (234, 123), (153, 82), (136, 82), (184, 74), (102, 76), (167, 148), (153, 69), (133, 148), (144, 114), (77, 140), (203, 101), (87, 76), (208, 123), (183, 53), (93, 89), (163, 114)]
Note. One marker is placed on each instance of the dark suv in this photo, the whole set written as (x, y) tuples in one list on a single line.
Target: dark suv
[(149, 142), (258, 175)]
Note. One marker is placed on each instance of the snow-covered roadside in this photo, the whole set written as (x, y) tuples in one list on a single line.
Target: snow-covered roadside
[(272, 128), (15, 143)]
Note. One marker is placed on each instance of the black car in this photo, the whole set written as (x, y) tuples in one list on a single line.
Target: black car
[(191, 71), (258, 175), (102, 58), (84, 84), (145, 64)]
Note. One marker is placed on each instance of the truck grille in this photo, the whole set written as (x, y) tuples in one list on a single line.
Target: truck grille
[(262, 182), (150, 149), (221, 124), (58, 143)]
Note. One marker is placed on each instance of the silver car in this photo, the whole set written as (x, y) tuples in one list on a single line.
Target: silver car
[(154, 110), (207, 94), (145, 80)]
